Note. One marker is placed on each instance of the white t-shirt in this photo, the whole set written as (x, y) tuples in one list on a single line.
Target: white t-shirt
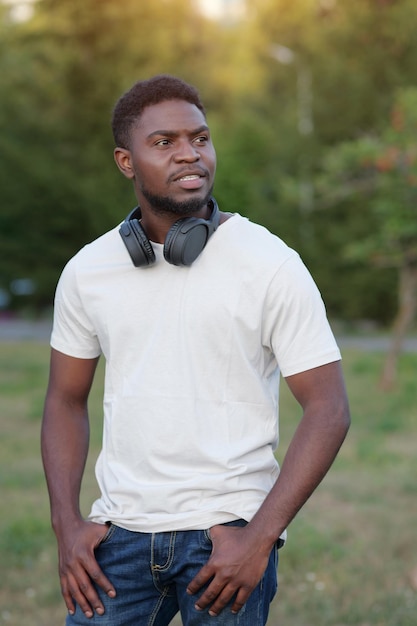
[(193, 358)]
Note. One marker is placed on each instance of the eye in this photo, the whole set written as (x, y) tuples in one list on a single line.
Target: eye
[(162, 142), (201, 139)]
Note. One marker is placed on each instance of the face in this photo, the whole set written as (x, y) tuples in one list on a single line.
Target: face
[(171, 159)]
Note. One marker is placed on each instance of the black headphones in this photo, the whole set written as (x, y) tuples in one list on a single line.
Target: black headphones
[(185, 239)]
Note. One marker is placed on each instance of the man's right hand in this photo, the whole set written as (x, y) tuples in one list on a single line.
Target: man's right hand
[(78, 568)]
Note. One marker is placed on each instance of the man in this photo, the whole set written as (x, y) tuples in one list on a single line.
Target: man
[(196, 313)]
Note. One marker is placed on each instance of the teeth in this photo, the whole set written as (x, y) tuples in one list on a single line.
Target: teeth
[(191, 177)]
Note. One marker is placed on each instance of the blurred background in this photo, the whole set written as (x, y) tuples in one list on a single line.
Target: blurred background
[(313, 108), (313, 111)]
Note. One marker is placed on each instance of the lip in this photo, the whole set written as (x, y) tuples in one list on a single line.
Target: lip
[(191, 179), (185, 173)]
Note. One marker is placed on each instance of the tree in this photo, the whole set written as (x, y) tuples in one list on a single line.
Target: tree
[(61, 72), (63, 69), (382, 171), (359, 53)]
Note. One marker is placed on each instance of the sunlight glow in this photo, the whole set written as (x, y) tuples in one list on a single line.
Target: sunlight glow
[(19, 10), (222, 9)]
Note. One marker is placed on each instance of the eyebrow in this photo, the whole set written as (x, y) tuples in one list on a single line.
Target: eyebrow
[(174, 133)]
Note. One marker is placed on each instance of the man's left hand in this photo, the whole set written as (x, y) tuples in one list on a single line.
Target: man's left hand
[(235, 567)]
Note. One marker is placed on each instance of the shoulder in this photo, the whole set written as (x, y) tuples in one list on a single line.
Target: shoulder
[(107, 244), (254, 242), (107, 248), (95, 262)]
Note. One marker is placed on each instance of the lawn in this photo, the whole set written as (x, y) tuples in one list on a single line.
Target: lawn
[(351, 557)]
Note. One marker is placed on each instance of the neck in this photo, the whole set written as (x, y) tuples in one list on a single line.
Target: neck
[(157, 222)]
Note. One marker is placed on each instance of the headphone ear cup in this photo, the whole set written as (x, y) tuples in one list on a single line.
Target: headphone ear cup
[(137, 243), (185, 240)]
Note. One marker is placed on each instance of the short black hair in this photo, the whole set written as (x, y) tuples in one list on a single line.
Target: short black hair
[(144, 93)]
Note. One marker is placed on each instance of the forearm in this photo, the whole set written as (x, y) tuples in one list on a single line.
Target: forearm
[(64, 443), (236, 570), (308, 458), (65, 434)]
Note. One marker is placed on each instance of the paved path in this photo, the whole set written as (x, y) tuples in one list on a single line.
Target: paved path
[(375, 344), (17, 330)]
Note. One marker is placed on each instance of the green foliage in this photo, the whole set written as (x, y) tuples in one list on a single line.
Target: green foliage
[(382, 172), (375, 178), (23, 540), (58, 179), (63, 69)]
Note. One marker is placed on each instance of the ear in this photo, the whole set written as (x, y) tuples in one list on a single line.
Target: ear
[(123, 160)]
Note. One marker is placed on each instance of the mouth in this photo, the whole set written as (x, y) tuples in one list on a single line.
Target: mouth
[(190, 174), (190, 177), (191, 180)]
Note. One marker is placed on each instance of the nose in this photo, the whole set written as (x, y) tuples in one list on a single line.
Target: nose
[(186, 151)]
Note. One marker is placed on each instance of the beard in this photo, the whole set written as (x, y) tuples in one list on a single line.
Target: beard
[(166, 204)]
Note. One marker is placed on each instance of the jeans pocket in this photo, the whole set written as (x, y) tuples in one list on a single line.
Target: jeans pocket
[(237, 522), (110, 530)]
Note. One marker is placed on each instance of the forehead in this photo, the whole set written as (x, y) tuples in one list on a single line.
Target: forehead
[(171, 115)]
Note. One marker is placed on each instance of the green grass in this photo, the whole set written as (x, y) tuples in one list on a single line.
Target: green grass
[(351, 557)]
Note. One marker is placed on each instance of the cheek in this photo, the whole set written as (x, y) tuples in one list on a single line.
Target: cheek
[(211, 161), (149, 173)]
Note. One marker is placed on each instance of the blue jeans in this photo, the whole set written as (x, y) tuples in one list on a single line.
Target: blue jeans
[(151, 572)]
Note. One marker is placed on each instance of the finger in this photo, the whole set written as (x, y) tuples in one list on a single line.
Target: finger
[(201, 579), (67, 597), (79, 586), (92, 567), (98, 577), (211, 594), (221, 600), (241, 599), (83, 594), (89, 580)]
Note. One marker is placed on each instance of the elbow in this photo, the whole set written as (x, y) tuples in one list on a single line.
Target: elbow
[(344, 419)]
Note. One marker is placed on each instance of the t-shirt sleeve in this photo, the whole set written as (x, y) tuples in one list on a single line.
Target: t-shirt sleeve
[(72, 331), (296, 325)]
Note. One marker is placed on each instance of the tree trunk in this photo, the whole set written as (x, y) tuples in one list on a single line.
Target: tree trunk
[(407, 305)]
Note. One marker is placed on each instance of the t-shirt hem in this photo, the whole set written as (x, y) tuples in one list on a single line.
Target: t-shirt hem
[(208, 523), (78, 354), (316, 361)]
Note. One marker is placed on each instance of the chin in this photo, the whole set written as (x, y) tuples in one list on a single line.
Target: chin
[(167, 204)]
